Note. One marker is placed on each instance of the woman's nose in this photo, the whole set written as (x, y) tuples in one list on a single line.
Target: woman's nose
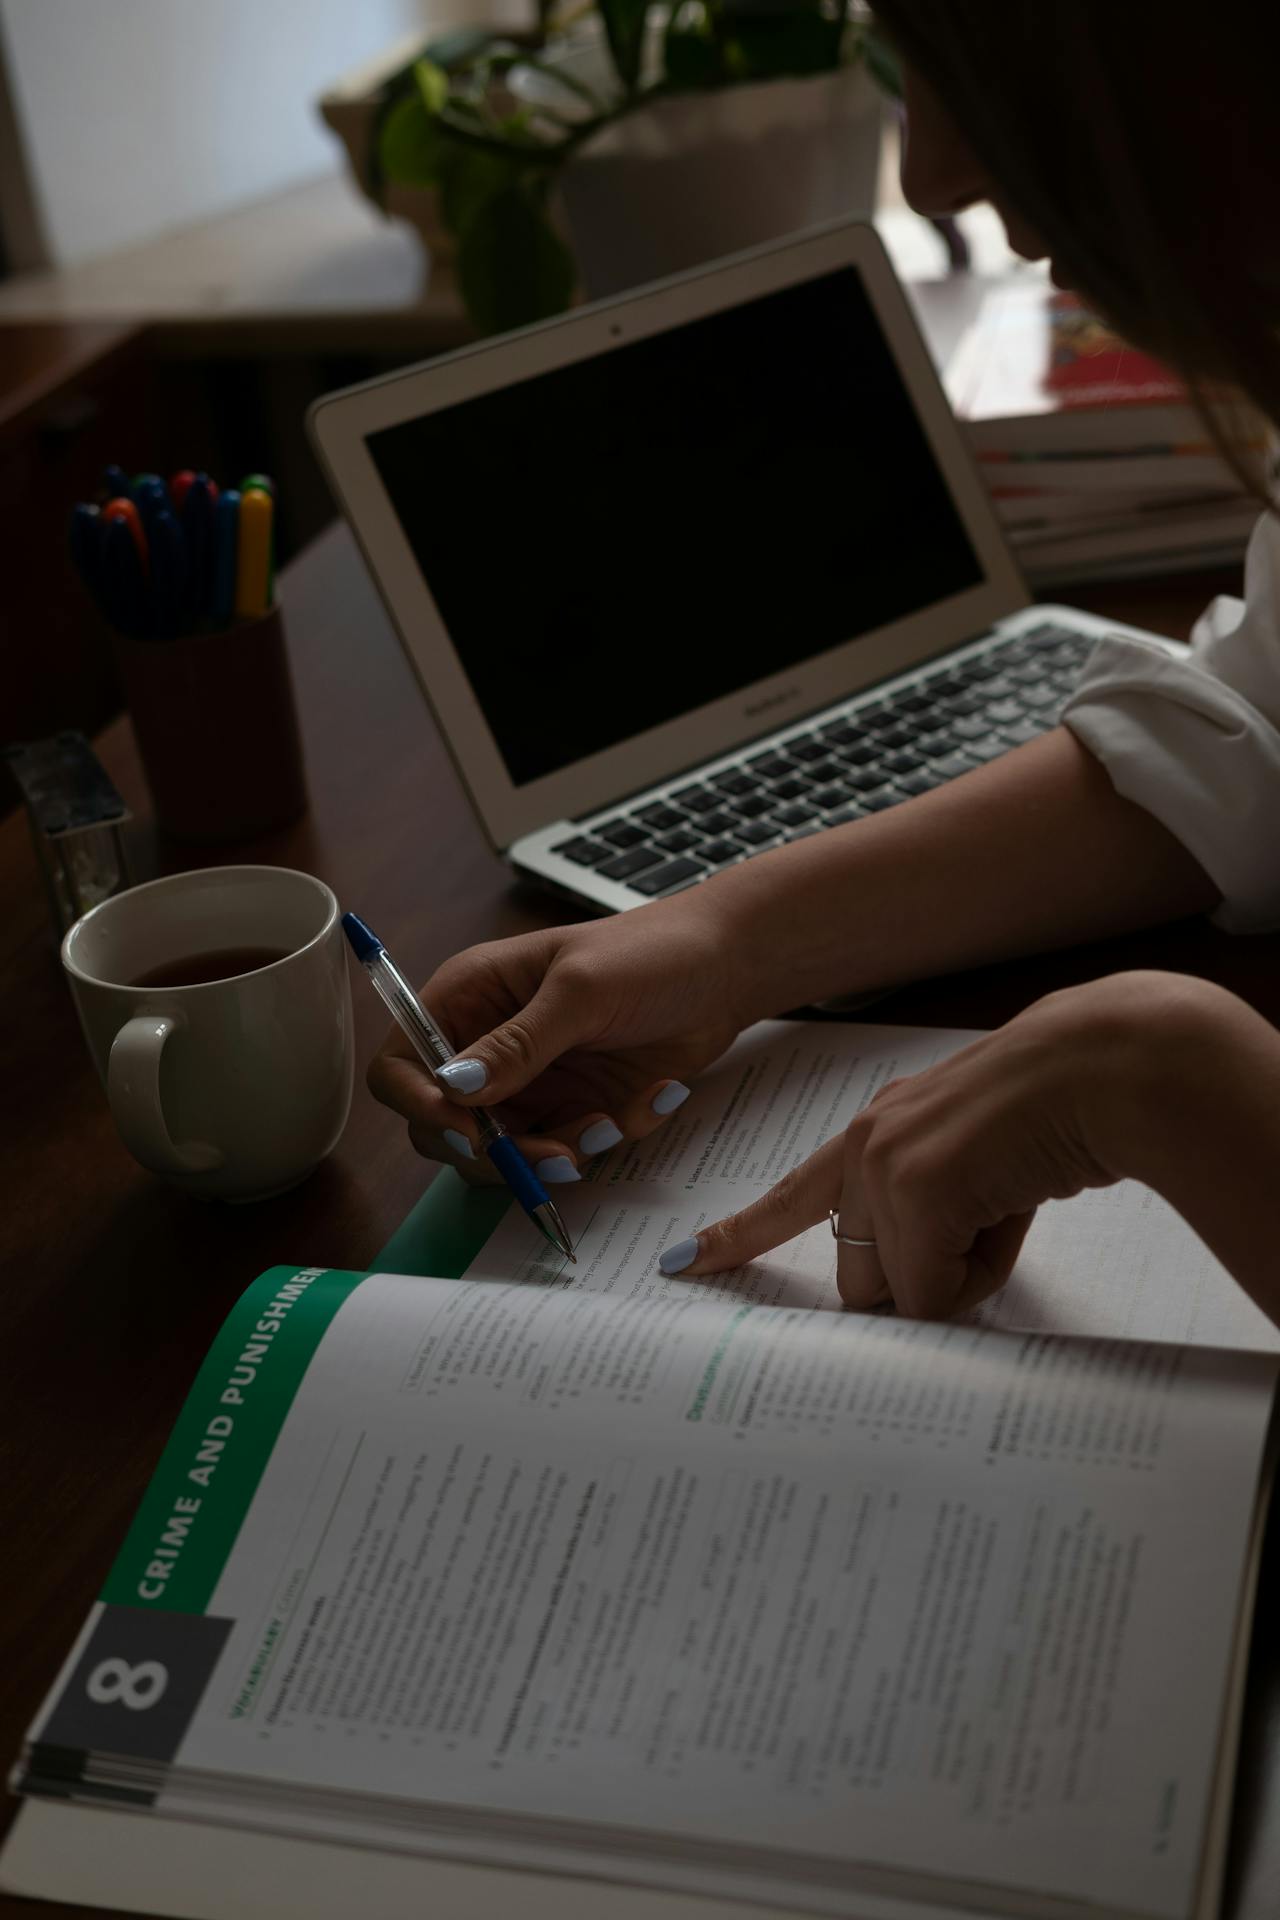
[(941, 174)]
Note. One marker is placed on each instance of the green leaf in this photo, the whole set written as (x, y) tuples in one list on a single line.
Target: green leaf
[(624, 23), (506, 63), (513, 268), (456, 47), (798, 41), (409, 144), (460, 108), (882, 63), (691, 56), (518, 128), (469, 176), (432, 83)]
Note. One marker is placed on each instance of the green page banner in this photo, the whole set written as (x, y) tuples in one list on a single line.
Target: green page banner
[(445, 1231), (209, 1472)]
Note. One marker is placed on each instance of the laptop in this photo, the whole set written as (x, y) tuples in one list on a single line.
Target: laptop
[(699, 571)]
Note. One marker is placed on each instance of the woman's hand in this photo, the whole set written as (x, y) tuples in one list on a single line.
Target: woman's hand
[(943, 1172), (651, 997), (582, 1036)]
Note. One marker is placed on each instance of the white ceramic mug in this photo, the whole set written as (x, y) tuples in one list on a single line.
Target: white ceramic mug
[(235, 1087)]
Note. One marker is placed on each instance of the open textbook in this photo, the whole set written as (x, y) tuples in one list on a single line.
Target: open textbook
[(1117, 1262), (694, 1588)]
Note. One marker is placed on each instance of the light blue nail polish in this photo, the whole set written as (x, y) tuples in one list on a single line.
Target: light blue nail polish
[(677, 1258), (556, 1170), (599, 1137), (668, 1098), (459, 1143), (463, 1076)]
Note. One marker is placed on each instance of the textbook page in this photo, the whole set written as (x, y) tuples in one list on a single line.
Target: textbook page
[(753, 1602), (1114, 1263)]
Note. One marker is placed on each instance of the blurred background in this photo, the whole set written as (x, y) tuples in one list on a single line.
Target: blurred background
[(211, 214)]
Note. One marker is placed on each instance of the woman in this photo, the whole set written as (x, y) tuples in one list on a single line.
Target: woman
[(1137, 146)]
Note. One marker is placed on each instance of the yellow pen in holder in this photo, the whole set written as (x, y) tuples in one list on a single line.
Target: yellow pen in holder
[(253, 553)]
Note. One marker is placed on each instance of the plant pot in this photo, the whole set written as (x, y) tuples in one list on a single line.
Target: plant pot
[(351, 108), (676, 183), (691, 178)]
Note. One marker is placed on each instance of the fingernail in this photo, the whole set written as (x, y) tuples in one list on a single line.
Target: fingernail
[(463, 1076), (459, 1143), (599, 1137), (682, 1255), (667, 1099), (556, 1170)]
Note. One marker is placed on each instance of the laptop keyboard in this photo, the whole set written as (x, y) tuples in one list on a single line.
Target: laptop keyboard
[(850, 763)]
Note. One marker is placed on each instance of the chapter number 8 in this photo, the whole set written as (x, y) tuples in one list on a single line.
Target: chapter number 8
[(114, 1683)]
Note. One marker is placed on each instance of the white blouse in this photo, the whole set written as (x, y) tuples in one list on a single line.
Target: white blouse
[(1196, 740)]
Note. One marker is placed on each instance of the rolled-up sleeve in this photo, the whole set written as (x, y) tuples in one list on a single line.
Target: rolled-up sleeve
[(1195, 739)]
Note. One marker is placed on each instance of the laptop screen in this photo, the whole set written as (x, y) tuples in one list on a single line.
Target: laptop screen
[(618, 541)]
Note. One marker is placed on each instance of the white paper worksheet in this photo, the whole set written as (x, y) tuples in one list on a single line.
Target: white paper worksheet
[(1116, 1262)]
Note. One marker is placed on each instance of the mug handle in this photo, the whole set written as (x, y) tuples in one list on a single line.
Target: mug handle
[(133, 1088)]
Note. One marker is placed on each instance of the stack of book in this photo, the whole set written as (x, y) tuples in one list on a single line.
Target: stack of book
[(1097, 459)]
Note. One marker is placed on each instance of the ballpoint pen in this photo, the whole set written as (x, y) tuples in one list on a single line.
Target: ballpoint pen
[(151, 496), (430, 1044), (226, 544), (124, 581), (125, 510), (197, 516)]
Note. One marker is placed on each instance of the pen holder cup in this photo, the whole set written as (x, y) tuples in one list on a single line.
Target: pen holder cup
[(217, 729)]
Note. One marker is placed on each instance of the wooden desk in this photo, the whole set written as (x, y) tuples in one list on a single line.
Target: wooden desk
[(114, 1285)]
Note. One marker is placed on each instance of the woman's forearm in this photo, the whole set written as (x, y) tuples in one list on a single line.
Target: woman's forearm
[(1036, 850), (1200, 1122)]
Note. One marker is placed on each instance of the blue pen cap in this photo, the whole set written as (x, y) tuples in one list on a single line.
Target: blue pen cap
[(365, 945), (151, 496), (226, 543), (168, 575), (124, 587), (197, 518)]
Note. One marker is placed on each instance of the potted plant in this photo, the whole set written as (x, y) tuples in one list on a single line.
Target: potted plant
[(631, 140)]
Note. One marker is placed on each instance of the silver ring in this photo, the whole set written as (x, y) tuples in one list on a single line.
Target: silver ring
[(845, 1239)]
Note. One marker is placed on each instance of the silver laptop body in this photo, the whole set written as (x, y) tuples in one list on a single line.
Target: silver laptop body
[(699, 571)]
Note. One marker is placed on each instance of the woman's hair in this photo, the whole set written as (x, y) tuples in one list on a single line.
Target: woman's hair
[(1141, 139)]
